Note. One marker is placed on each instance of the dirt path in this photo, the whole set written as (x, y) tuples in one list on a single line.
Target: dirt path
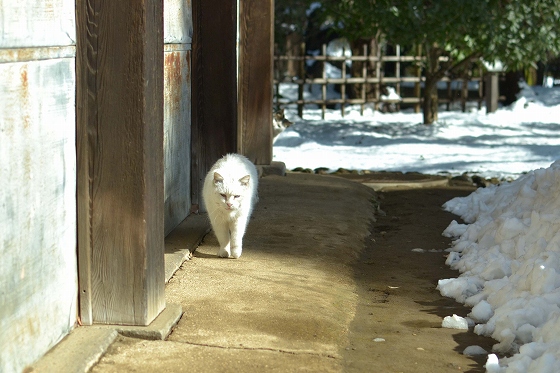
[(398, 299)]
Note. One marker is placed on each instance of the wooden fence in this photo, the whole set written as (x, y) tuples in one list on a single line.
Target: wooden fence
[(372, 81)]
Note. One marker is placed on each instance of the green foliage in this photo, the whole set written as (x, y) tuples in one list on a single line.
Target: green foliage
[(527, 32), (355, 20), (450, 25), (289, 16), (516, 32)]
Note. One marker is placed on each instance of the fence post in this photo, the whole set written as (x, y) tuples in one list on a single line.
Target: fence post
[(417, 87), (301, 74), (378, 76), (449, 92), (343, 85), (464, 94), (491, 92), (480, 87), (324, 84), (364, 84), (398, 76)]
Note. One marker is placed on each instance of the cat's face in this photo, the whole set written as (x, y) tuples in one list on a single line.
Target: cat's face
[(279, 115), (231, 192)]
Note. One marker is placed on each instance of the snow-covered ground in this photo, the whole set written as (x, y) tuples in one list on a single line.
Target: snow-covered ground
[(506, 143), (508, 250)]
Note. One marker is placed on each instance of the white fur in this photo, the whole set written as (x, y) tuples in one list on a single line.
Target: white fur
[(229, 193)]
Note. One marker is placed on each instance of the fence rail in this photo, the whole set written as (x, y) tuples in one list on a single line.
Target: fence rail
[(371, 82)]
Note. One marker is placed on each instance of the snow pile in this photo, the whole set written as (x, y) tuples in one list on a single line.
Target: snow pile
[(509, 258)]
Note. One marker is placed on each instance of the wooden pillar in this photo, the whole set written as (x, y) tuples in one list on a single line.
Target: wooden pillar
[(214, 88), (256, 20), (119, 93), (491, 92)]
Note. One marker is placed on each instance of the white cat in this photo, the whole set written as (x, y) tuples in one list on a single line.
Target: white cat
[(229, 193)]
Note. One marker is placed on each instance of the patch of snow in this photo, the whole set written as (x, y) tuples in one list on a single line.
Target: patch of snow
[(454, 322), (474, 350)]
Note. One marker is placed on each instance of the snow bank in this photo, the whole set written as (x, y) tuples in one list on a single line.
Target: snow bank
[(509, 258)]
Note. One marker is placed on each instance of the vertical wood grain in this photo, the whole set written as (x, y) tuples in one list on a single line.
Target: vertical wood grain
[(256, 58), (120, 160)]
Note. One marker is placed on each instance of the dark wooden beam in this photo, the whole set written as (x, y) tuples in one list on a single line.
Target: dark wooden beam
[(214, 87), (256, 51), (119, 74)]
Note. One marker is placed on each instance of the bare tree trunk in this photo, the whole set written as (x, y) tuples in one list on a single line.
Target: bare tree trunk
[(430, 104)]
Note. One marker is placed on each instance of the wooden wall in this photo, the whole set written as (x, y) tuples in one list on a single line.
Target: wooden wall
[(38, 279), (177, 111)]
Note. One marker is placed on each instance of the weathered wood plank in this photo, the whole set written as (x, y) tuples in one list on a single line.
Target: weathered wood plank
[(37, 23), (120, 158), (177, 137), (38, 278), (214, 87), (256, 51)]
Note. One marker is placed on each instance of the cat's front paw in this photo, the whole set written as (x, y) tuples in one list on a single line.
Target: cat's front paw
[(223, 253), (235, 252)]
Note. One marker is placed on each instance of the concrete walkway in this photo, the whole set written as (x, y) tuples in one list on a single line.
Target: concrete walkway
[(285, 305), (327, 282)]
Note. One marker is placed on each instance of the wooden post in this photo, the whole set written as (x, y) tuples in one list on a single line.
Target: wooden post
[(119, 93), (417, 85), (398, 76), (491, 92), (343, 85), (364, 84), (324, 84), (480, 87), (464, 94), (302, 80), (214, 88), (378, 76), (449, 92), (254, 134)]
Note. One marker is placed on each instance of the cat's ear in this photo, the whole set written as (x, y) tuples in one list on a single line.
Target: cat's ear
[(245, 180), (218, 178)]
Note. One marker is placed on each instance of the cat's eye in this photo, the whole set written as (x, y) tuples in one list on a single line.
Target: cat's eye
[(223, 195), (236, 196)]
